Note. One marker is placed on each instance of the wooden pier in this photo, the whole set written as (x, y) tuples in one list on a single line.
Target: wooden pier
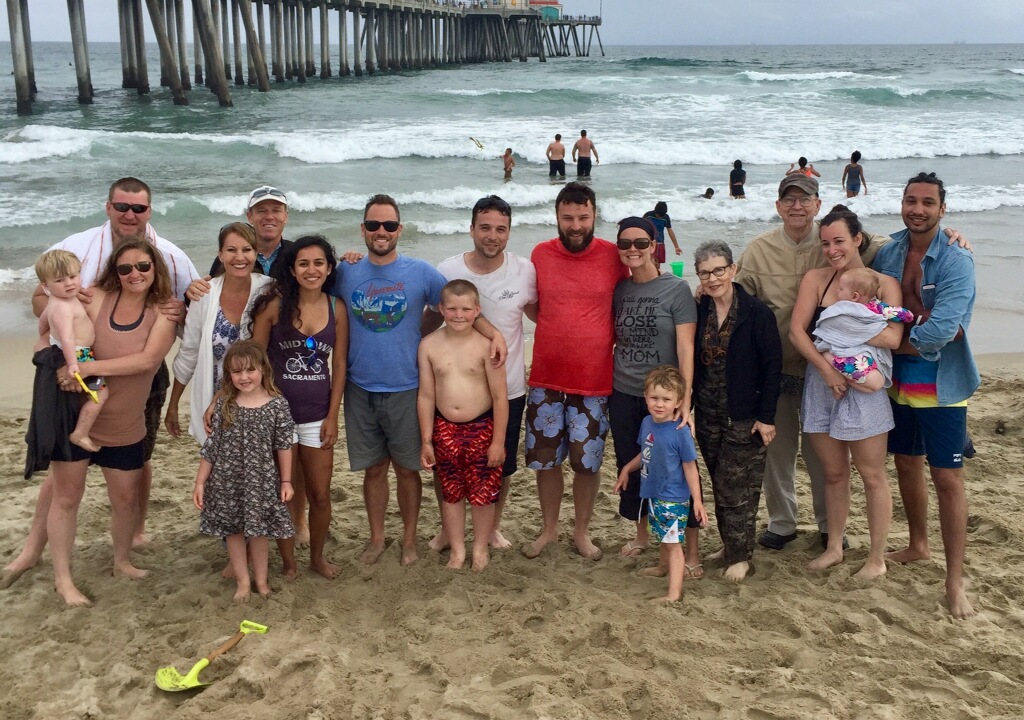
[(231, 39)]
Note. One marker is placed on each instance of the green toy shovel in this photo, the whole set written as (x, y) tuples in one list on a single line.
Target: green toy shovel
[(169, 679)]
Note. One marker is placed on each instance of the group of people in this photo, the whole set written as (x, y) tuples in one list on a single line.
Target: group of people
[(789, 348)]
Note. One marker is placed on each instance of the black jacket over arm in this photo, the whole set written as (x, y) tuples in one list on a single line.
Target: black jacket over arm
[(54, 413)]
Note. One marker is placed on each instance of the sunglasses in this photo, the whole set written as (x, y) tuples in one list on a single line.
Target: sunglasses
[(639, 244), (266, 191), (375, 225), (136, 208), (126, 268)]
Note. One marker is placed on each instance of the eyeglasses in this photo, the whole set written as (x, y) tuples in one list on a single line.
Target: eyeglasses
[(639, 244), (126, 268), (790, 201), (375, 225), (717, 272), (136, 208)]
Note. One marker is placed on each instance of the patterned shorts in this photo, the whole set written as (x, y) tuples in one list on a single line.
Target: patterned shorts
[(460, 450), (855, 367), (559, 424), (667, 519)]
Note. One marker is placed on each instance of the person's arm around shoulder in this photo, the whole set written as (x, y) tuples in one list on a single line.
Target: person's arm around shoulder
[(198, 288), (497, 384), (499, 348), (426, 403), (339, 367)]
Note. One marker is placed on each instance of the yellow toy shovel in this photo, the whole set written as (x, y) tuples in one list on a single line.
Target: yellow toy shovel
[(89, 391), (169, 679)]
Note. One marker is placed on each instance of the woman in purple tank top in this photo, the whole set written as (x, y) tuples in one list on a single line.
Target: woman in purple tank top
[(307, 342)]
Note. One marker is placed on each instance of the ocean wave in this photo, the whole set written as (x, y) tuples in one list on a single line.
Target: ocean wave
[(655, 62), (20, 146), (797, 77), (489, 91), (10, 276), (1017, 71), (901, 95)]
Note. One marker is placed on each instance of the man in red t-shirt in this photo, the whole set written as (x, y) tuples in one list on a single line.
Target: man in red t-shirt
[(571, 374)]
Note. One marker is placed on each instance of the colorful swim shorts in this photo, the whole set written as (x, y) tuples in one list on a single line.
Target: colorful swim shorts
[(667, 519), (855, 367), (460, 450)]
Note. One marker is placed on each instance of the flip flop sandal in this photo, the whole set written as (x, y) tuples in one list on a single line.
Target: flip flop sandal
[(633, 549), (694, 572)]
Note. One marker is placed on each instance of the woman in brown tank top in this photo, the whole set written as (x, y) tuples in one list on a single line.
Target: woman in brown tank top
[(132, 339)]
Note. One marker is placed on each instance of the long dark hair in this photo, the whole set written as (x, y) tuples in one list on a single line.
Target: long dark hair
[(841, 212), (287, 286)]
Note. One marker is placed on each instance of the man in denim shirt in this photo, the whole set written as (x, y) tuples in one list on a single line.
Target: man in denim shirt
[(933, 375)]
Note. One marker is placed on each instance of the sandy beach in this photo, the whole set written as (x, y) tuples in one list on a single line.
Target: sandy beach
[(557, 637)]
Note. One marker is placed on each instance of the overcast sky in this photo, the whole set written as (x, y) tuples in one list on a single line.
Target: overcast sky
[(702, 22)]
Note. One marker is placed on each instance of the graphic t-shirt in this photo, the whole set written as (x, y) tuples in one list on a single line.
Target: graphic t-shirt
[(503, 295), (385, 307), (664, 447), (572, 350), (646, 315)]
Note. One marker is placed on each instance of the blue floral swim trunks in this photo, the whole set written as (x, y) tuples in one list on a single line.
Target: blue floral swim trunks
[(559, 425)]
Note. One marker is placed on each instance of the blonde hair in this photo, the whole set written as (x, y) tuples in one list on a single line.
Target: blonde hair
[(244, 355), (55, 264), (863, 281), (668, 377), (460, 288)]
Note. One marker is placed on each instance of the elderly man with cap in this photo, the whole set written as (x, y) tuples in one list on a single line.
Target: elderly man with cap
[(267, 212)]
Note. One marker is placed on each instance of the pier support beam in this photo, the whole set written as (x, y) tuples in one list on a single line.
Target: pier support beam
[(179, 22), (343, 68), (80, 46), (236, 37), (19, 54), (277, 39), (255, 48), (139, 31), (357, 44), (300, 44), (156, 17), (325, 42), (214, 63)]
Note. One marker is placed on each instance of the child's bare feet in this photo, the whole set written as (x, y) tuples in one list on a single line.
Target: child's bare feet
[(498, 541), (263, 588), (139, 540), (656, 571), (72, 596), (667, 600), (826, 560), (439, 542), (409, 555), (290, 571), (322, 567), (456, 560), (302, 536), (83, 441), (228, 572), (956, 599), (481, 558), (242, 593), (871, 571), (737, 571), (371, 553), (16, 568), (130, 571)]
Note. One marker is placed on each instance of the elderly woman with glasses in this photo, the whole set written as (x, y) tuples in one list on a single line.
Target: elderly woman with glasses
[(655, 318), (736, 383), (307, 343)]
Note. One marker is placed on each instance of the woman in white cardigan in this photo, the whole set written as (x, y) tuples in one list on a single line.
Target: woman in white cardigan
[(213, 323)]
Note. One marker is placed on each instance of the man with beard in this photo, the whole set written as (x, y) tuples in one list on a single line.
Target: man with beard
[(385, 294), (571, 375), (933, 375)]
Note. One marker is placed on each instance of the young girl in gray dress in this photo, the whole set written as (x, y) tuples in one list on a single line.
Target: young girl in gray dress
[(239, 489)]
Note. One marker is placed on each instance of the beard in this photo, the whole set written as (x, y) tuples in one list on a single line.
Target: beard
[(567, 244)]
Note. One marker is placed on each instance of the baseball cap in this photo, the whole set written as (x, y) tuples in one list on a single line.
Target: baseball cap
[(808, 184), (266, 192)]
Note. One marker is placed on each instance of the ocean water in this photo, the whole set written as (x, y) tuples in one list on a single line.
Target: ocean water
[(667, 122)]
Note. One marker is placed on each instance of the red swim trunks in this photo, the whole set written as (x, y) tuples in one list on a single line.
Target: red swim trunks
[(461, 453)]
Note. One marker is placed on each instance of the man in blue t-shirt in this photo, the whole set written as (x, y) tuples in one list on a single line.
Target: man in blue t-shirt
[(385, 294)]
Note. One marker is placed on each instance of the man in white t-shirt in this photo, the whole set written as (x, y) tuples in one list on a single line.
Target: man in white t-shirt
[(507, 285), (128, 208)]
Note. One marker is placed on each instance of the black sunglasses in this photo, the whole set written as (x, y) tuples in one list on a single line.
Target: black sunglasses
[(126, 268), (375, 225), (266, 191), (639, 244), (136, 208)]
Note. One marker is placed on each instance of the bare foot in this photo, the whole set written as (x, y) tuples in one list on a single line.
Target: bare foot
[(498, 541), (826, 560), (587, 549), (717, 555), (667, 600), (322, 567), (456, 561), (263, 589), (480, 560), (302, 536), (242, 594), (73, 596), (632, 549), (439, 542), (140, 540), (371, 553), (959, 606), (130, 571), (534, 549), (228, 572), (409, 555), (870, 571), (290, 572), (908, 555), (83, 441), (15, 569), (656, 571), (737, 571)]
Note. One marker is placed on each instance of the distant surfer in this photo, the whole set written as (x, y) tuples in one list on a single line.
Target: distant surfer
[(584, 148), (556, 158)]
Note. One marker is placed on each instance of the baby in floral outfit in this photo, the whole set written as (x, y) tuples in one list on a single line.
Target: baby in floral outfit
[(845, 327)]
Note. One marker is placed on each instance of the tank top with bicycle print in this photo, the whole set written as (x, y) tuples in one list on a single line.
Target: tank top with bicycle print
[(302, 367)]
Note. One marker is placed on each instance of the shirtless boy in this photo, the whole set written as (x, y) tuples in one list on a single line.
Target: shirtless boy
[(463, 411), (64, 323), (556, 157), (509, 163)]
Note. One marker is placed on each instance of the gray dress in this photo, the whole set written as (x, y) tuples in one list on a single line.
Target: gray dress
[(243, 492)]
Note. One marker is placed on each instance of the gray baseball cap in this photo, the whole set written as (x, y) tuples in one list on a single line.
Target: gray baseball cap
[(798, 180)]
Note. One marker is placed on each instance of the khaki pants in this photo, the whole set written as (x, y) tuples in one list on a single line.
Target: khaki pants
[(780, 470)]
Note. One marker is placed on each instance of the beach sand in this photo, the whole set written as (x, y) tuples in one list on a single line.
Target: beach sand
[(557, 637)]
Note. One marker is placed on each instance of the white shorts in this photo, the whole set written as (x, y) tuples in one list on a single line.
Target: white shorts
[(308, 434)]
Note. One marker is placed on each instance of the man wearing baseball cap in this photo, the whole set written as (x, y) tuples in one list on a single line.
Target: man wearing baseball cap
[(267, 212)]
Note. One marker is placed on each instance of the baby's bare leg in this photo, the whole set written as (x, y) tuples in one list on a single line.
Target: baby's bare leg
[(873, 382), (86, 417)]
